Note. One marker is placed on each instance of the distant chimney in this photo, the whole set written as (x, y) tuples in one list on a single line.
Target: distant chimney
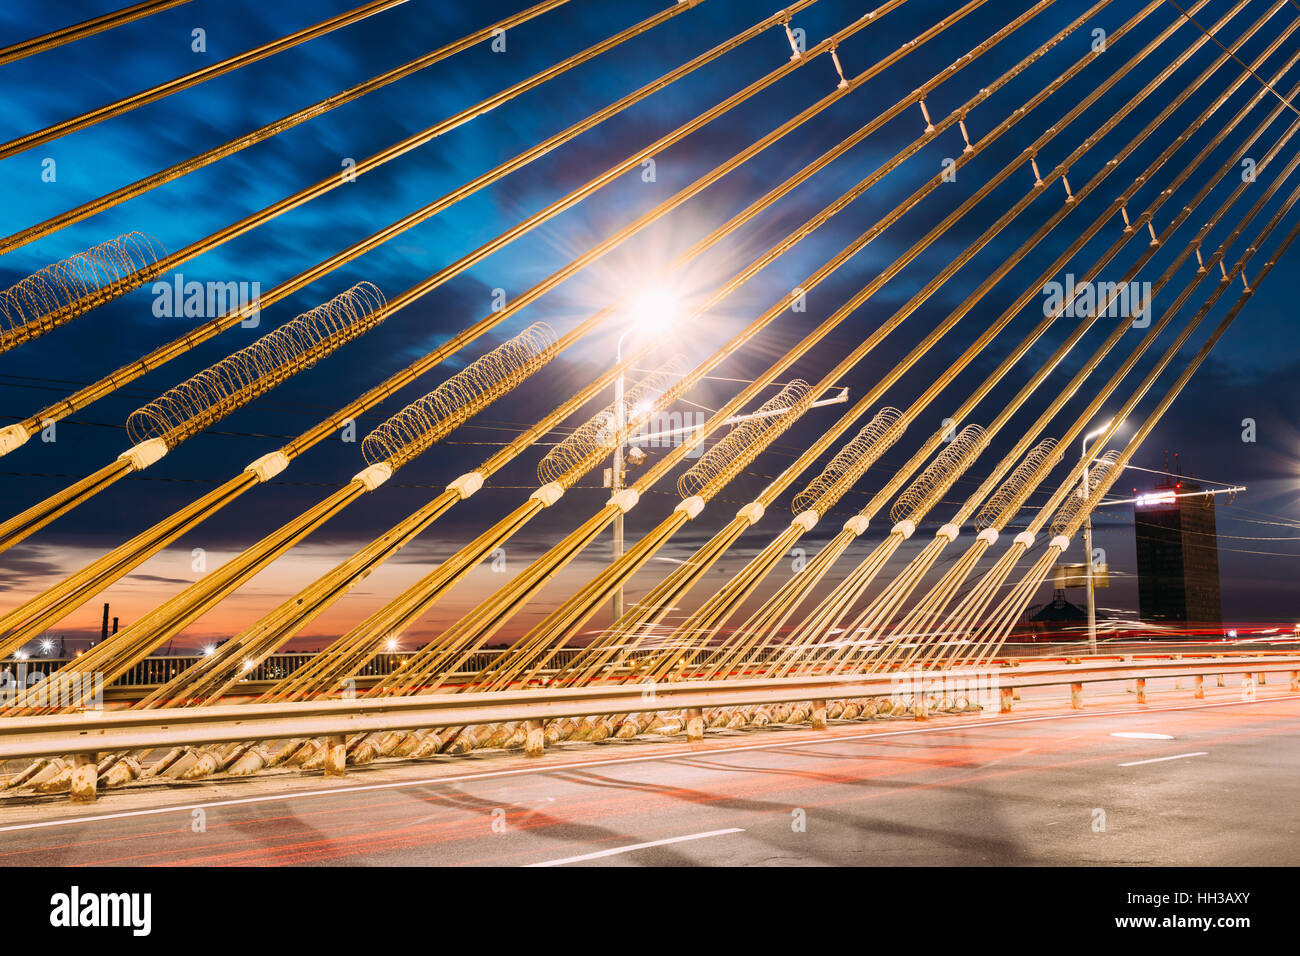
[(103, 630), (114, 625)]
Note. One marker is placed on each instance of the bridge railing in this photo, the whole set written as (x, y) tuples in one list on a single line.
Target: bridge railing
[(94, 731), (153, 671)]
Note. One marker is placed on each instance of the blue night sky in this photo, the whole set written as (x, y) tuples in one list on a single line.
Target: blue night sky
[(1252, 373)]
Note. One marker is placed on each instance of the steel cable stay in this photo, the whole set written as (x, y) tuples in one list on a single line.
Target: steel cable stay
[(929, 610), (184, 167), (152, 95), (472, 631), (987, 639), (881, 621), (872, 440), (132, 553), (480, 383), (806, 581), (694, 624), (936, 613), (675, 648), (212, 394), (185, 607), (15, 435), (87, 28), (977, 600)]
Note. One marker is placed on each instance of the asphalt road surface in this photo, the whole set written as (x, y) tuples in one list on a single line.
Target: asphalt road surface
[(1190, 783)]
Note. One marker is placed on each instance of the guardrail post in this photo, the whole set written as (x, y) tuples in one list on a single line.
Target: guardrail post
[(336, 756), (535, 742), (85, 778), (694, 724), (1247, 687), (1141, 683), (1295, 681), (819, 715), (1007, 695), (1178, 681), (1076, 697), (1261, 680), (1199, 683)]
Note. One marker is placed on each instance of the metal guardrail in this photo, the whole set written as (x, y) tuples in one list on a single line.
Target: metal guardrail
[(95, 731), (153, 671)]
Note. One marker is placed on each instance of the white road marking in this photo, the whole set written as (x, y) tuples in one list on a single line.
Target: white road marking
[(647, 758), (1134, 763), (1137, 735), (637, 846)]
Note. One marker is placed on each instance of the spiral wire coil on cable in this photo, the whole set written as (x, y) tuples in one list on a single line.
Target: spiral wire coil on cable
[(1070, 508), (746, 441), (850, 463), (596, 438), (931, 485), (71, 287), (1012, 494), (431, 418), (255, 369)]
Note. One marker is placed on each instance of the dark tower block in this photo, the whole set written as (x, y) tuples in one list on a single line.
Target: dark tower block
[(1177, 557)]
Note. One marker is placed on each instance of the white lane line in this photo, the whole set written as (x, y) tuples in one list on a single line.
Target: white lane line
[(637, 846), (1134, 763), (646, 758), (1136, 735)]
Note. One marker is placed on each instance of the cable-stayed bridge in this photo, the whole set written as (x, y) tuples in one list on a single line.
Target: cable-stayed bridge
[(991, 287)]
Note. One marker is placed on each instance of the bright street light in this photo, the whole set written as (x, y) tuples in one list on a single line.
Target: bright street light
[(652, 310), (1100, 430)]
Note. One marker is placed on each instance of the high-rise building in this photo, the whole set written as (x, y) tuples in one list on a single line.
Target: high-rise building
[(1177, 556)]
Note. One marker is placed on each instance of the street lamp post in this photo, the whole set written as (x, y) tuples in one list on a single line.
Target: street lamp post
[(620, 421), (656, 307), (1087, 544), (616, 477)]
